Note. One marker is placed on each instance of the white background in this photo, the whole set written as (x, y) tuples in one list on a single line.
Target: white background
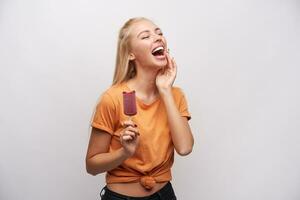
[(238, 63)]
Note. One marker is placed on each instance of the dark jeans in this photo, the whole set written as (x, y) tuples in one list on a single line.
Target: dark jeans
[(165, 193)]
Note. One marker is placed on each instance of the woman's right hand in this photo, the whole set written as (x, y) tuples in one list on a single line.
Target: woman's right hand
[(129, 137)]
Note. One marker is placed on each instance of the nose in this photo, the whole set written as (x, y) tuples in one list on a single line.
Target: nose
[(158, 37)]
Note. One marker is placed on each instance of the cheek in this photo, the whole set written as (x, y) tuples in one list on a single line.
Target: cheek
[(141, 50)]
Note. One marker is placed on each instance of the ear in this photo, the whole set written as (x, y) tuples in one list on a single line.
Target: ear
[(131, 56)]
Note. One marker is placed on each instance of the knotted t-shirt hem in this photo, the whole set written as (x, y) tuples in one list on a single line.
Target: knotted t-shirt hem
[(147, 181)]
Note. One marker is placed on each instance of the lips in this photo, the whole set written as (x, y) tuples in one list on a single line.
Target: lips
[(158, 51), (158, 48)]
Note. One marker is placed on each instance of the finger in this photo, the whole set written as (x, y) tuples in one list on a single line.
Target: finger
[(168, 58), (169, 61), (127, 134), (135, 130), (167, 51), (174, 64), (128, 123), (127, 137), (130, 133)]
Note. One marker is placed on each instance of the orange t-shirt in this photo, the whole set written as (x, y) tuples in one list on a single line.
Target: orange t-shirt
[(154, 156)]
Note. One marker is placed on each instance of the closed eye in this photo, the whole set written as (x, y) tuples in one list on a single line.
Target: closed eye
[(146, 37)]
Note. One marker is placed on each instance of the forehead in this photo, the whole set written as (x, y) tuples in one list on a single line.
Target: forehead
[(142, 26)]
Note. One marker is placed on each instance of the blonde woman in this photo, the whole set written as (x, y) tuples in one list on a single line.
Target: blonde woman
[(137, 154)]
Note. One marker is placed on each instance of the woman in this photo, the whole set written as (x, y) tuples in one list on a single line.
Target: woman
[(138, 153)]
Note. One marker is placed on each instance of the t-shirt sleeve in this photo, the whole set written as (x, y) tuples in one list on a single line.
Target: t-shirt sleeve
[(183, 106), (105, 114)]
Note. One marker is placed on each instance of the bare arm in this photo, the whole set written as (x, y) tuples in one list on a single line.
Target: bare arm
[(98, 160), (180, 130)]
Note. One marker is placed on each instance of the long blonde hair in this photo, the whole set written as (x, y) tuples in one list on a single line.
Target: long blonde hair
[(125, 68)]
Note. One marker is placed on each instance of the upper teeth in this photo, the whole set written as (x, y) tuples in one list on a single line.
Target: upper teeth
[(157, 49)]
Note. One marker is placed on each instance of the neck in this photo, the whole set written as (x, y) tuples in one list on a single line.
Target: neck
[(144, 82)]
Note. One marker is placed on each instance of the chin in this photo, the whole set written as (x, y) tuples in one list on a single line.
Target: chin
[(160, 64)]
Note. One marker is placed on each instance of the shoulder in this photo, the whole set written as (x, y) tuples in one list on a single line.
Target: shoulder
[(177, 91), (113, 91), (178, 94), (112, 95)]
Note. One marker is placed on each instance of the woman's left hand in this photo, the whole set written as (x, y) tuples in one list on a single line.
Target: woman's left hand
[(166, 76)]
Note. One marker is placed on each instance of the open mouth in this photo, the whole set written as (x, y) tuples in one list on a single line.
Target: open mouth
[(159, 51)]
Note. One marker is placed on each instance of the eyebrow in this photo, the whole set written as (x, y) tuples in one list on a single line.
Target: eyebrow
[(147, 31)]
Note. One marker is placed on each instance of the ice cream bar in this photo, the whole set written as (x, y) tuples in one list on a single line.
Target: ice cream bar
[(129, 103)]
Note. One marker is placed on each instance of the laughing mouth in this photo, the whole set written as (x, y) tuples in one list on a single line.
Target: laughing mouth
[(159, 51)]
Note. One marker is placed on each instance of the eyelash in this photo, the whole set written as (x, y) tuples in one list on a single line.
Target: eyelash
[(149, 36)]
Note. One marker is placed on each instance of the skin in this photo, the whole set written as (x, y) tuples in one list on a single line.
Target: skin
[(154, 79)]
